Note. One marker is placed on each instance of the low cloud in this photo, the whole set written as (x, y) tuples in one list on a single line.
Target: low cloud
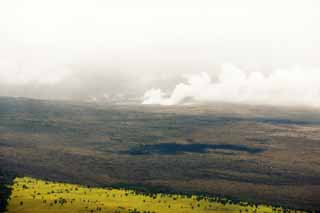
[(295, 86)]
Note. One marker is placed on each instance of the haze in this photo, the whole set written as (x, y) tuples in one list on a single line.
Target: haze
[(161, 52)]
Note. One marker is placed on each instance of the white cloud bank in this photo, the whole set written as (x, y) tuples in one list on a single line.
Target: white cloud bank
[(281, 87)]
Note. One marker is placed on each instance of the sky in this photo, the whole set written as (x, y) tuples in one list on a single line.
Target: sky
[(161, 52)]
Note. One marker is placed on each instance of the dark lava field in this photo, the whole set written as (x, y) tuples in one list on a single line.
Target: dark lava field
[(255, 153)]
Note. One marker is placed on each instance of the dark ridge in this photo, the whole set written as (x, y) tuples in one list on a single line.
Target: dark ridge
[(174, 148), (285, 121)]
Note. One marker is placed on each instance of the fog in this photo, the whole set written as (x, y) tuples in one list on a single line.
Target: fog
[(161, 52)]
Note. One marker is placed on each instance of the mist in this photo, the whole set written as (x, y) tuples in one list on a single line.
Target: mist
[(168, 52)]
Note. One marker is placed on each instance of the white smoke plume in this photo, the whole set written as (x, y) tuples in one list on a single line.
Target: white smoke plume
[(280, 87)]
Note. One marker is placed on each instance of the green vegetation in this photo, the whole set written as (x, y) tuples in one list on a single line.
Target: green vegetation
[(36, 196), (6, 180)]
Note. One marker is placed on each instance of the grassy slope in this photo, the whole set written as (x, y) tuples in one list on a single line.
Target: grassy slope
[(32, 195)]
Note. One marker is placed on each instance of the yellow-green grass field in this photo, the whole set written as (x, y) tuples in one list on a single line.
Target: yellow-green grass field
[(33, 195)]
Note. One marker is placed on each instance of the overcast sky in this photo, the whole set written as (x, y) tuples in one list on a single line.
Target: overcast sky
[(103, 50)]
